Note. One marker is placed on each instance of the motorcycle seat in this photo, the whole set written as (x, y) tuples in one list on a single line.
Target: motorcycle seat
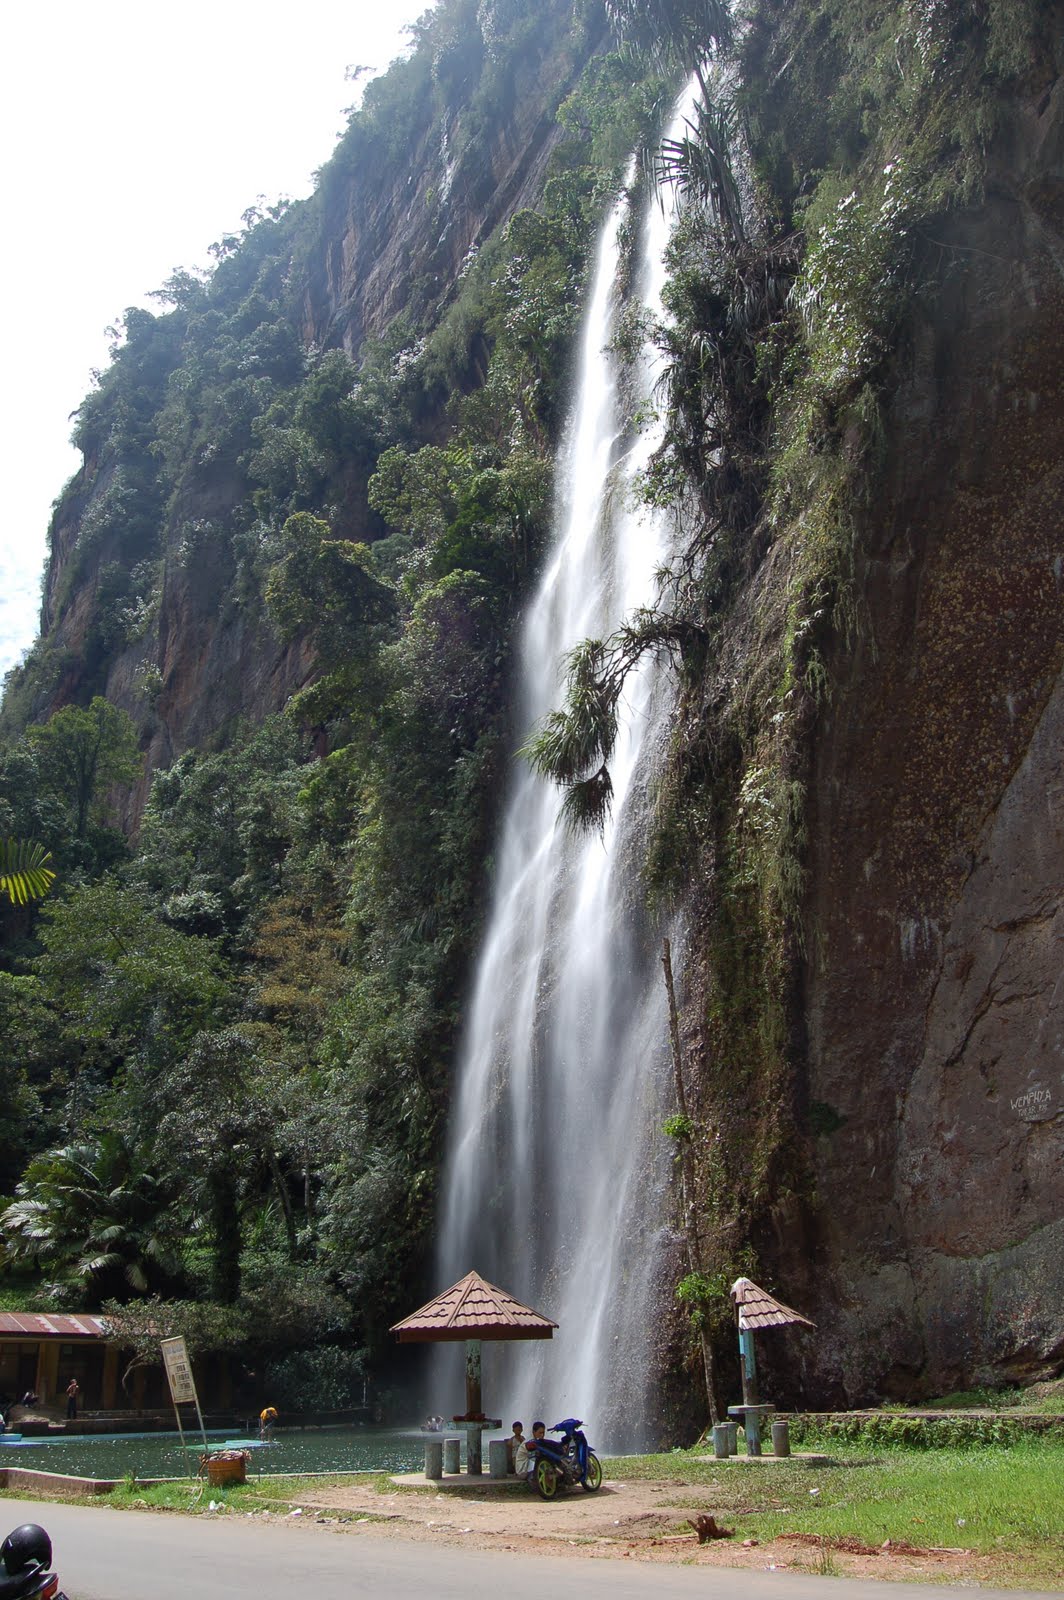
[(21, 1585)]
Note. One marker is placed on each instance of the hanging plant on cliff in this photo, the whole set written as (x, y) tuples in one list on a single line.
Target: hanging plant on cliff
[(574, 746)]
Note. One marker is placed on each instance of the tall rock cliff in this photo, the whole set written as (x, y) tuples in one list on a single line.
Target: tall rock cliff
[(937, 831), (875, 954)]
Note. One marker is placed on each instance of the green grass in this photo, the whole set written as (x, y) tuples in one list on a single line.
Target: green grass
[(1045, 1398), (996, 1501), (194, 1495), (17, 1293)]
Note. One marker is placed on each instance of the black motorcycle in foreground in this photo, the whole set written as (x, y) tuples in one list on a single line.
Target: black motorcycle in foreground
[(25, 1560)]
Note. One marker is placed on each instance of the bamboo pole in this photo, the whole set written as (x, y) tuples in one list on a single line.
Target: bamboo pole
[(692, 1236)]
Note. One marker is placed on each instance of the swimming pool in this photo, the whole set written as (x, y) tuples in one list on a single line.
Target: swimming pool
[(159, 1455)]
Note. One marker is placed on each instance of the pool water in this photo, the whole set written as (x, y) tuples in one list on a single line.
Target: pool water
[(159, 1455)]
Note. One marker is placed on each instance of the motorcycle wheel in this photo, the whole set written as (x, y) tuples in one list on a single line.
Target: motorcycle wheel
[(546, 1480), (593, 1475)]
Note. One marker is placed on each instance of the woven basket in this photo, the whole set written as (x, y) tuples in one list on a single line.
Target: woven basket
[(232, 1467)]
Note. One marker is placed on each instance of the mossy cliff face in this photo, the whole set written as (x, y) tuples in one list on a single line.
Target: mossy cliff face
[(195, 448), (937, 833), (394, 239), (858, 810), (210, 661)]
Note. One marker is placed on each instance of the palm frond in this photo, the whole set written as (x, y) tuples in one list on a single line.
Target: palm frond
[(24, 871)]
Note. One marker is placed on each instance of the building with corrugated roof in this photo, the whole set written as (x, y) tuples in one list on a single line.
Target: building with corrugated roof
[(42, 1352)]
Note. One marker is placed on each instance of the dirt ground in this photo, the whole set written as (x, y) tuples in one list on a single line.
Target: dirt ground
[(623, 1521)]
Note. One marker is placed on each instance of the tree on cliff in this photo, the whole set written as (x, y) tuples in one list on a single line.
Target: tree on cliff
[(132, 993), (83, 754)]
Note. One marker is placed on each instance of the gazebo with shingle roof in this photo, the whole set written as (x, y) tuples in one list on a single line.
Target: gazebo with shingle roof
[(755, 1308), (472, 1310)]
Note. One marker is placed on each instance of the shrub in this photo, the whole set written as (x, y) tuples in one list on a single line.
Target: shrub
[(328, 1379)]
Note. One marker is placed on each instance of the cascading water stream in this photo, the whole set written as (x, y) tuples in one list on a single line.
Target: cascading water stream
[(555, 1172)]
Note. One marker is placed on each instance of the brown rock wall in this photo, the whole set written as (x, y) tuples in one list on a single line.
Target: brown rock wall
[(379, 239), (934, 1002)]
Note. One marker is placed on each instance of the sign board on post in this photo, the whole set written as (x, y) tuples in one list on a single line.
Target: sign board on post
[(182, 1383), (178, 1371)]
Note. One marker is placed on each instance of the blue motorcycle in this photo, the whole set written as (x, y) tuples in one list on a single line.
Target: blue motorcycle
[(565, 1462)]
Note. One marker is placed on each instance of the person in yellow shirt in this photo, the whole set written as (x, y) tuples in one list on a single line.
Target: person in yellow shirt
[(267, 1418)]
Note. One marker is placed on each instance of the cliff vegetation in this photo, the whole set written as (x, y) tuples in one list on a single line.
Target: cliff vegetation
[(266, 725)]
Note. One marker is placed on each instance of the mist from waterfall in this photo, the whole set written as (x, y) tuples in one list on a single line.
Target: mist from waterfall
[(556, 1170)]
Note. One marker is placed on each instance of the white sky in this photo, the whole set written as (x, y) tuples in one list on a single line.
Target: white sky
[(133, 136)]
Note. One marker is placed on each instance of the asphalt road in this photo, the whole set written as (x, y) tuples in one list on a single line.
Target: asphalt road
[(102, 1554)]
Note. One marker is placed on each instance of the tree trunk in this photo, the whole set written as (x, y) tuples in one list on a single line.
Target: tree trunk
[(225, 1226), (285, 1198)]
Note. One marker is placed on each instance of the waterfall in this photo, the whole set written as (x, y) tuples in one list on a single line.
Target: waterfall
[(556, 1173)]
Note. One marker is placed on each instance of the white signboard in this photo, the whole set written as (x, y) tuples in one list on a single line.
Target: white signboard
[(178, 1371)]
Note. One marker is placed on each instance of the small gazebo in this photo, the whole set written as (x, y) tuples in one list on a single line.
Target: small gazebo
[(755, 1308), (470, 1311)]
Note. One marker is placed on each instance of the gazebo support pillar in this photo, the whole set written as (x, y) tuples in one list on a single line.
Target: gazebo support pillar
[(472, 1378), (474, 1408), (748, 1365)]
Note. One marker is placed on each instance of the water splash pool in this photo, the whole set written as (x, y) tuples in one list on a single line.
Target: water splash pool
[(159, 1455)]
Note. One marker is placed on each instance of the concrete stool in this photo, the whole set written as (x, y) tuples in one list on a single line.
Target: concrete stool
[(720, 1441), (452, 1460), (498, 1460), (732, 1430), (781, 1438), (434, 1458)]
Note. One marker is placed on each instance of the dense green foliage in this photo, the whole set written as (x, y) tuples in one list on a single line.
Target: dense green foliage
[(228, 1039)]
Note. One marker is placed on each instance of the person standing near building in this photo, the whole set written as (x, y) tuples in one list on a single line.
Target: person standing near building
[(72, 1392)]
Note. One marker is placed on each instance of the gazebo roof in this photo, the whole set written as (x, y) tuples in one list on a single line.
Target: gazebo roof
[(758, 1309), (473, 1309)]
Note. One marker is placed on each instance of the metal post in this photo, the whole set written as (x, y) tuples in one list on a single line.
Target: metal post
[(202, 1429), (181, 1436), (748, 1366)]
